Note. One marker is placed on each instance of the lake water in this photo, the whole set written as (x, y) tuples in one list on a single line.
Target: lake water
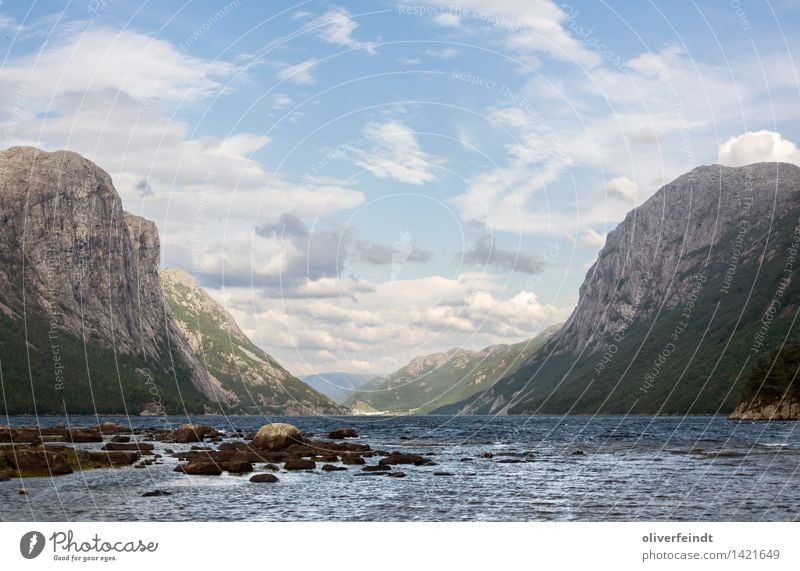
[(634, 468)]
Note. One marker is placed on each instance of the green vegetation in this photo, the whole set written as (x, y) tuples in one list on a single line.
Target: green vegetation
[(91, 378), (774, 379), (259, 384), (430, 382)]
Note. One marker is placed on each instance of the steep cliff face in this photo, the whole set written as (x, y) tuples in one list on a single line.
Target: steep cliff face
[(79, 281), (688, 291), (253, 381)]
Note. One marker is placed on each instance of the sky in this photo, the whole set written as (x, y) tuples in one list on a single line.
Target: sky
[(361, 183)]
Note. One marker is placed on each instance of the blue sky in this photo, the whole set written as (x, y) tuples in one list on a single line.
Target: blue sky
[(363, 182)]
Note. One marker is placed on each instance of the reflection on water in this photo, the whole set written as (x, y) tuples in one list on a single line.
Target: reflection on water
[(543, 468)]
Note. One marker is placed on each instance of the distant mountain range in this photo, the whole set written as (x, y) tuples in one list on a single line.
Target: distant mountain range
[(690, 290), (336, 385), (430, 382)]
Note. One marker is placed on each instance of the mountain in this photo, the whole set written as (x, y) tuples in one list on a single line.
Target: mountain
[(337, 386), (83, 325), (254, 381), (433, 381), (690, 289), (772, 391)]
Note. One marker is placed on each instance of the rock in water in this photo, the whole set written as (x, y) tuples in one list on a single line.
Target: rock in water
[(276, 436), (193, 433), (342, 433), (264, 478), (200, 469), (299, 464)]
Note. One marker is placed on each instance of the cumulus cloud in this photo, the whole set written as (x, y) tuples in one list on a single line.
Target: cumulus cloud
[(381, 329), (395, 153), (154, 70), (485, 252), (336, 27), (756, 147), (623, 188)]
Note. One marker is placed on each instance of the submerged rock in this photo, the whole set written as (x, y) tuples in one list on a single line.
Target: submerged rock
[(332, 468), (264, 478)]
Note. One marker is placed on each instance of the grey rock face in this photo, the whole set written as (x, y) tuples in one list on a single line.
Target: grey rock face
[(661, 246), (69, 251)]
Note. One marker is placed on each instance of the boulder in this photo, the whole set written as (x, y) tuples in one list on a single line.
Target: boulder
[(264, 478), (276, 436), (342, 433), (83, 435), (237, 467), (398, 458), (332, 468), (156, 494), (39, 461), (396, 474), (121, 439), (299, 464), (442, 474), (18, 435), (193, 433), (199, 469), (112, 428), (353, 459)]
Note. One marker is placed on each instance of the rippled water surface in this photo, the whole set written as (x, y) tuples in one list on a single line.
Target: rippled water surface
[(543, 468)]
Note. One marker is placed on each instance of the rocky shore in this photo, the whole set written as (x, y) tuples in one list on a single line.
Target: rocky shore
[(43, 452)]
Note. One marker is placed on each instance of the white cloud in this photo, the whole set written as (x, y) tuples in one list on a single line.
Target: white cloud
[(381, 329), (143, 67), (447, 19), (336, 27), (301, 73), (591, 238), (623, 188), (757, 147), (282, 101), (528, 26), (395, 153)]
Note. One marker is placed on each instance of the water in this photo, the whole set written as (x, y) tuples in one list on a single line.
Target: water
[(634, 468)]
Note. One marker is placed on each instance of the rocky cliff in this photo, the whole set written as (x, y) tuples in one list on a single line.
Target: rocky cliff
[(85, 325), (689, 290), (254, 381)]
